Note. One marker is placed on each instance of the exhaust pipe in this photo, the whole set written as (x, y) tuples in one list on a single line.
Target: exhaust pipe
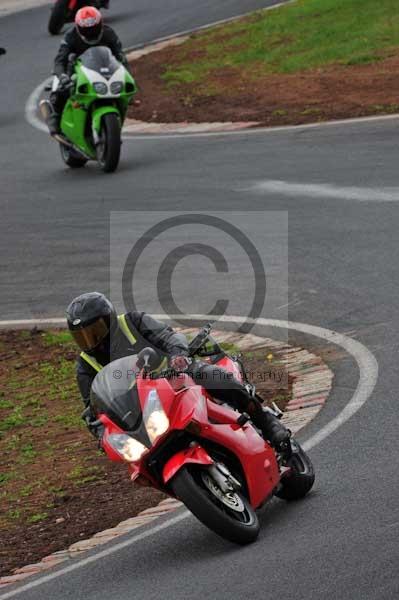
[(62, 140), (46, 109)]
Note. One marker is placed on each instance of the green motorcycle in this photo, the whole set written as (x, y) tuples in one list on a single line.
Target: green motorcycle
[(100, 91)]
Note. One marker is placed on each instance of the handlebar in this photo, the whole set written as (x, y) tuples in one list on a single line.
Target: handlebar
[(200, 339)]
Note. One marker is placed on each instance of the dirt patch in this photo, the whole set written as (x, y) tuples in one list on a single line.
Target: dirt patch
[(232, 94), (55, 486)]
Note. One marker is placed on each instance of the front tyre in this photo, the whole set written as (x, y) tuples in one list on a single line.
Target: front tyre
[(58, 17), (300, 481), (109, 145), (71, 159), (233, 518)]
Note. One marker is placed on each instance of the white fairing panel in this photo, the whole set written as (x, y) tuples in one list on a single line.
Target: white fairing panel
[(95, 77)]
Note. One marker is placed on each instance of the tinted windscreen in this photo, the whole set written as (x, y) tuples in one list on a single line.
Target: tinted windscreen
[(114, 393), (100, 59)]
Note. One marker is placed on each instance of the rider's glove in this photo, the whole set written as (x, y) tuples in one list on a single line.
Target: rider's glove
[(180, 363), (90, 420), (97, 431), (65, 80)]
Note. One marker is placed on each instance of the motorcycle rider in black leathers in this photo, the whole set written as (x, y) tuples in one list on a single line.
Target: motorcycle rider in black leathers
[(103, 337), (88, 31)]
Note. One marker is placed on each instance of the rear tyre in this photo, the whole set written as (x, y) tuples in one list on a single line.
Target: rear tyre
[(72, 159), (301, 479), (109, 147), (58, 17), (238, 527)]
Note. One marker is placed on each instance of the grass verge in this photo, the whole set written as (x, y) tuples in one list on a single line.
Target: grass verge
[(306, 61), (298, 37), (55, 486)]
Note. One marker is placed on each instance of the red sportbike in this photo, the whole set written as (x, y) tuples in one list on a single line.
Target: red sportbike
[(175, 438), (64, 11)]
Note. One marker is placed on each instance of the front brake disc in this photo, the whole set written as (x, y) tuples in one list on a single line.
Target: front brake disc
[(229, 499)]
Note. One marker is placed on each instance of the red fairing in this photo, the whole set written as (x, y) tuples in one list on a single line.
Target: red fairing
[(195, 455), (72, 4), (188, 407), (231, 366), (257, 458)]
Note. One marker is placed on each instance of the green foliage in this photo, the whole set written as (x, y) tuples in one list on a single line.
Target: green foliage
[(37, 400), (37, 517), (14, 419), (39, 421), (27, 453), (56, 338), (82, 474), (280, 112), (304, 35), (230, 348), (27, 490), (5, 404), (70, 420), (5, 477)]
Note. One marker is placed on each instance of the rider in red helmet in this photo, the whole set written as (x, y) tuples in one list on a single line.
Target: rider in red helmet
[(89, 25), (89, 31)]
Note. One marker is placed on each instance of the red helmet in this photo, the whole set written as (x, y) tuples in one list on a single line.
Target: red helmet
[(89, 24)]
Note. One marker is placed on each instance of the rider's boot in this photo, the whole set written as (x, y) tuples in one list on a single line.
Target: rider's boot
[(53, 123), (274, 431)]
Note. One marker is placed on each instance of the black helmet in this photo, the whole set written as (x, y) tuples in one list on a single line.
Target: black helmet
[(91, 318)]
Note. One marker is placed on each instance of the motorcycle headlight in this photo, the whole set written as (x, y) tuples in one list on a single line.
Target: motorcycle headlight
[(155, 419), (116, 87), (127, 447), (101, 88)]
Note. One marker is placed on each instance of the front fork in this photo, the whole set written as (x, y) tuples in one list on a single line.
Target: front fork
[(223, 478)]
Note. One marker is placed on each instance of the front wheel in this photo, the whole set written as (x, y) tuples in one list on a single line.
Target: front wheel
[(109, 146), (72, 159), (229, 515), (59, 15), (300, 480)]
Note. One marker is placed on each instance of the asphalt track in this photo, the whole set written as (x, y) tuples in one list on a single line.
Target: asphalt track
[(341, 542)]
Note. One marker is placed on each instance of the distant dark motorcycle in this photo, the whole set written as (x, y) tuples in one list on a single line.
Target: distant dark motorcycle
[(3, 51), (64, 11)]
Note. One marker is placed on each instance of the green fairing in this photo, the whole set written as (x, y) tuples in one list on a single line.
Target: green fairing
[(85, 109), (98, 114)]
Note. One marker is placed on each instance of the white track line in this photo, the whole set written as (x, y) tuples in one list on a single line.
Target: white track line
[(368, 374), (95, 557), (262, 130), (326, 190)]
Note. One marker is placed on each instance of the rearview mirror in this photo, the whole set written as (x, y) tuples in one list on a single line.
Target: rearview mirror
[(148, 359)]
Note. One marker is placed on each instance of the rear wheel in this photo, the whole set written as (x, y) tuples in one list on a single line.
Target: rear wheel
[(229, 515), (109, 146), (72, 159), (300, 481), (59, 15)]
